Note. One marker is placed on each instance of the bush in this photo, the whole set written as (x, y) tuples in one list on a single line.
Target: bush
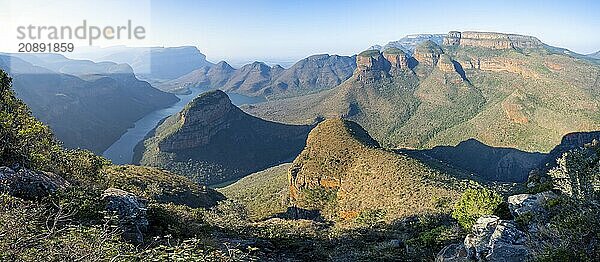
[(473, 204), (370, 217), (23, 139)]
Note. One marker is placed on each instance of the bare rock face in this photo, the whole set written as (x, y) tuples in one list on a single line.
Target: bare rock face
[(204, 117), (131, 211), (445, 64), (491, 239), (397, 59), (528, 203), (370, 65), (27, 184), (490, 40), (428, 53)]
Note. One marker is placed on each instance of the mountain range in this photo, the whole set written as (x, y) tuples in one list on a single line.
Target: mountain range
[(595, 55), (503, 90), (152, 64), (309, 75), (475, 148)]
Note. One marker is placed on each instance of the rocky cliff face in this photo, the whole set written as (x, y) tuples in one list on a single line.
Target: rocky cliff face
[(428, 53), (397, 58), (372, 64), (490, 40), (569, 142)]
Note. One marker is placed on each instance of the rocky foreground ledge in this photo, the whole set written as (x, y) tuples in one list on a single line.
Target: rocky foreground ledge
[(494, 239)]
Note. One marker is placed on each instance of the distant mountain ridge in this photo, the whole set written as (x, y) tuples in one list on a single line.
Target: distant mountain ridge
[(153, 64), (595, 55), (410, 42), (308, 75)]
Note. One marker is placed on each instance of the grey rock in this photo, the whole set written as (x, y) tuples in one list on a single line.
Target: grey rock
[(529, 203), (491, 239), (27, 184), (131, 211), (452, 253)]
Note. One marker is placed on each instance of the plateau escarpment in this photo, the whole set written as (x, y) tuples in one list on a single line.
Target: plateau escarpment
[(490, 40), (501, 89), (213, 141)]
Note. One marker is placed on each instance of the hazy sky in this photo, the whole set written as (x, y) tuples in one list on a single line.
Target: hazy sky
[(262, 30)]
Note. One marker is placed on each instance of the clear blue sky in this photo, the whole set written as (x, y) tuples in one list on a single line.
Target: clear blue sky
[(293, 29), (297, 28)]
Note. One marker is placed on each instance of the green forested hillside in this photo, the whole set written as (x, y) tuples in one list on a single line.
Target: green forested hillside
[(522, 98)]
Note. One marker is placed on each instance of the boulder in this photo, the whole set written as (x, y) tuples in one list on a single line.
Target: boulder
[(491, 239), (131, 211), (452, 253), (530, 203), (27, 184)]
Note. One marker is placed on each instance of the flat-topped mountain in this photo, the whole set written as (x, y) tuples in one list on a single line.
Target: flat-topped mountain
[(213, 141), (503, 90), (153, 64), (345, 174), (491, 40), (308, 75)]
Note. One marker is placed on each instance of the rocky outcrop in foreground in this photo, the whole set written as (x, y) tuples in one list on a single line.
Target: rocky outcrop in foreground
[(131, 211), (27, 184), (494, 239), (491, 239)]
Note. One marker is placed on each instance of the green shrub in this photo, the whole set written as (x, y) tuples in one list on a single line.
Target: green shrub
[(370, 217), (436, 236), (473, 204)]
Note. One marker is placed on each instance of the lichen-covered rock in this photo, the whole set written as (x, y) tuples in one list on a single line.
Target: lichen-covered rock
[(528, 203), (452, 253), (491, 239), (131, 211), (27, 184)]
